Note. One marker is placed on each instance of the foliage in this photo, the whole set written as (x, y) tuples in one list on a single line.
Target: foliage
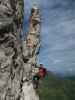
[(54, 88)]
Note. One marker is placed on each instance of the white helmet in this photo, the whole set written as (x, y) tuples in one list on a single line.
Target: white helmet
[(35, 7)]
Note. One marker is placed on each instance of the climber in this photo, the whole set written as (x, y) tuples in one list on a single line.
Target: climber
[(34, 21), (36, 81), (35, 16), (40, 73), (35, 12), (35, 78)]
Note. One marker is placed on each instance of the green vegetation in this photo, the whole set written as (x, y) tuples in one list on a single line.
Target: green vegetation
[(20, 12), (21, 5), (54, 88)]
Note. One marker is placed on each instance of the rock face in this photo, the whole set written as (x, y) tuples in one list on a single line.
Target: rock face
[(30, 51), (17, 59), (11, 63), (29, 92)]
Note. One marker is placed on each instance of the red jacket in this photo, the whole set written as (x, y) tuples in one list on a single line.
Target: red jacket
[(42, 71)]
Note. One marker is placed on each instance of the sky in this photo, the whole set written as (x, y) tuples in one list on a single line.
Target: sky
[(57, 51)]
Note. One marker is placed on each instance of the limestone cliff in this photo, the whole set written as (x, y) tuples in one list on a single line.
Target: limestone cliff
[(30, 51), (11, 63), (17, 58)]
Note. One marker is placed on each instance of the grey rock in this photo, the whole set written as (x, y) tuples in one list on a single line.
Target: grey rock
[(30, 48), (13, 53), (11, 62)]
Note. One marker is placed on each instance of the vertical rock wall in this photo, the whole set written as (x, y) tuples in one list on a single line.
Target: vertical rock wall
[(11, 63), (30, 51), (17, 60)]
